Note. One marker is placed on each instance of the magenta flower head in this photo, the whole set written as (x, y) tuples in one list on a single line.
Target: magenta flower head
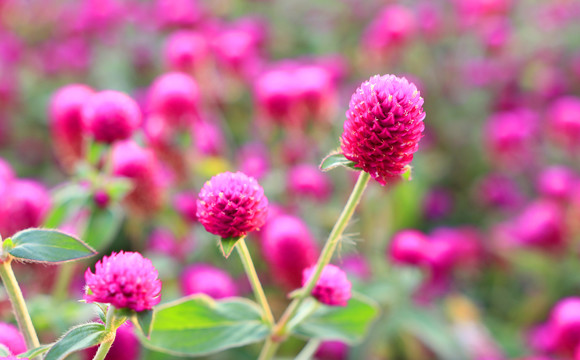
[(541, 225), (209, 280), (395, 26), (186, 205), (565, 324), (175, 96), (124, 280), (12, 338), (564, 120), (186, 51), (332, 350), (111, 116), (408, 247), (383, 127), (231, 205), (333, 287), (66, 122), (556, 182), (308, 181), (25, 204)]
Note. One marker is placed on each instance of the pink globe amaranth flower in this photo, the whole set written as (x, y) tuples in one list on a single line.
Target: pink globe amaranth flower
[(511, 137), (288, 248), (393, 27), (209, 280), (11, 337), (178, 13), (253, 160), (25, 204), (308, 181), (6, 175), (564, 121), (208, 138), (408, 247), (556, 182), (357, 266), (175, 98), (499, 191), (462, 247), (163, 241), (186, 51), (111, 116), (333, 287), (141, 167), (231, 205), (541, 225), (124, 280), (542, 338), (332, 350), (430, 19), (66, 122), (186, 205), (125, 347), (383, 127), (316, 89), (276, 96), (565, 324)]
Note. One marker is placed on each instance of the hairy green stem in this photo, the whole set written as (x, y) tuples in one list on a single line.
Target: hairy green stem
[(281, 328), (110, 332), (18, 304), (254, 280)]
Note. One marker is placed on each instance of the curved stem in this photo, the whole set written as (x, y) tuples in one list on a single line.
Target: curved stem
[(110, 332), (308, 350), (254, 280), (18, 304), (281, 327)]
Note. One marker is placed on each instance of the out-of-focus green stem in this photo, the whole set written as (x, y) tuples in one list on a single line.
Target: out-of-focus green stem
[(254, 280), (281, 328), (18, 304), (308, 350), (63, 279)]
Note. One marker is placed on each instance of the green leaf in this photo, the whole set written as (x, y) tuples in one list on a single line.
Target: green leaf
[(144, 321), (36, 351), (102, 227), (227, 245), (198, 325), (334, 160), (4, 350), (349, 324), (67, 201), (118, 188), (44, 245), (76, 339)]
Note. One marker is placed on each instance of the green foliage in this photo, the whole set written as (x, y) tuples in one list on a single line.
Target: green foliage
[(76, 339), (334, 160), (52, 246), (102, 226)]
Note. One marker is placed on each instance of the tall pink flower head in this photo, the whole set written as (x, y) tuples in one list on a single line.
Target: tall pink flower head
[(333, 288), (564, 120), (12, 338), (111, 116), (232, 204), (175, 97), (124, 280), (186, 51), (209, 280), (25, 204), (383, 127)]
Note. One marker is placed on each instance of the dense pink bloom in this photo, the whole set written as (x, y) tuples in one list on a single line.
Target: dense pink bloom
[(111, 116), (408, 247), (232, 204), (125, 347), (332, 350), (186, 51), (394, 26), (499, 191), (565, 324), (124, 280), (307, 180), (564, 120), (175, 97), (209, 280), (141, 167), (289, 248), (25, 204), (186, 205), (556, 182), (178, 13), (11, 337), (66, 122), (333, 287), (540, 225), (383, 127)]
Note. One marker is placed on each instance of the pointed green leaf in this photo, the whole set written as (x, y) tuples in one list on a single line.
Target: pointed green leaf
[(349, 324), (198, 325), (227, 245), (76, 339), (67, 201), (103, 226), (44, 245), (36, 351), (144, 321), (334, 160)]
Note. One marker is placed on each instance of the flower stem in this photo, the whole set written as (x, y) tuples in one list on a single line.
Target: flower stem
[(18, 304), (63, 279), (281, 328), (254, 280), (308, 350), (110, 332)]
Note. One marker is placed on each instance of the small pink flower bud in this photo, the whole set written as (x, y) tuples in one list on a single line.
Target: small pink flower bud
[(124, 280), (394, 26), (556, 182), (541, 225), (383, 127), (332, 350), (66, 122), (288, 248), (175, 97), (333, 287), (408, 247), (209, 280), (110, 116), (101, 199), (231, 205), (565, 323), (24, 204), (238, 47), (12, 338), (308, 181), (208, 138), (186, 51), (186, 205)]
